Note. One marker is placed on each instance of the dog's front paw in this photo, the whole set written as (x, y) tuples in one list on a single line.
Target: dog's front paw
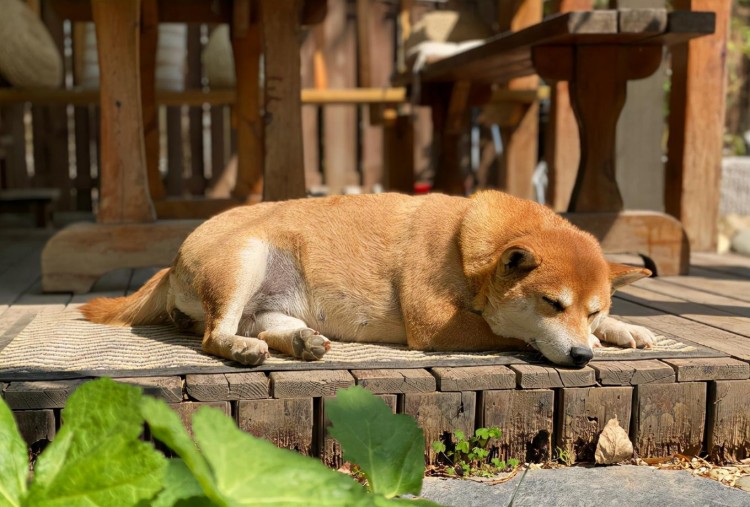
[(249, 351), (594, 342), (309, 345), (625, 335)]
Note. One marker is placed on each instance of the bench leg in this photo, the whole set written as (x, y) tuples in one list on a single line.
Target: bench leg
[(448, 119), (657, 237), (74, 258)]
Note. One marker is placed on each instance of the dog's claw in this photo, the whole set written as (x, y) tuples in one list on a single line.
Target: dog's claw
[(309, 345)]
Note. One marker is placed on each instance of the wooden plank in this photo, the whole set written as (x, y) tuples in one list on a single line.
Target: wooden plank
[(287, 423), (679, 328), (331, 452), (340, 121), (124, 195), (227, 386), (438, 413), (714, 282), (728, 420), (669, 419), (632, 373), (299, 384), (40, 394), (397, 154), (531, 376), (168, 389), (694, 149), (283, 162), (395, 381), (709, 368), (36, 425), (732, 264), (474, 378), (725, 303), (687, 309), (583, 413), (186, 409), (526, 420)]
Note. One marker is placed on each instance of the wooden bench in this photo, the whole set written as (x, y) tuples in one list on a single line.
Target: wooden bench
[(34, 200), (597, 53)]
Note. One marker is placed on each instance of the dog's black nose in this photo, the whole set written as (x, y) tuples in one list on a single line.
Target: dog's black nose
[(581, 355)]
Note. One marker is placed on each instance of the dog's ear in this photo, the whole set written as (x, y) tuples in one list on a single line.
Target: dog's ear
[(621, 275), (518, 259)]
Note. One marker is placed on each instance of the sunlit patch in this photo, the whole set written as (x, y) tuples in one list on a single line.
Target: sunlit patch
[(565, 297)]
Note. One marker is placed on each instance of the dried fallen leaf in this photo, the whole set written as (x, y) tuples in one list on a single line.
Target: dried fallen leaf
[(614, 446)]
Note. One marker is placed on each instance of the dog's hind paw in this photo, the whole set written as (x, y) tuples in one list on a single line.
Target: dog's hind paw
[(309, 345), (249, 351)]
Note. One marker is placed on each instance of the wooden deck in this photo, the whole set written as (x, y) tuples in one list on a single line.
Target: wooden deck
[(669, 405)]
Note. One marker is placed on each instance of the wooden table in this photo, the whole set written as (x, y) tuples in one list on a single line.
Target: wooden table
[(597, 52), (267, 115)]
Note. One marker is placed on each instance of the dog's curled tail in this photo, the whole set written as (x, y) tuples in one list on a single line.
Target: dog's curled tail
[(146, 306)]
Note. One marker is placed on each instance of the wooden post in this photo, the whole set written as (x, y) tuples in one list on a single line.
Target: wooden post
[(340, 121), (149, 42), (124, 193), (696, 126), (562, 142), (639, 165), (197, 180), (284, 173), (520, 139), (246, 46)]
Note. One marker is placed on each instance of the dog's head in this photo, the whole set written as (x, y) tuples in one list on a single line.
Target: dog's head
[(543, 282)]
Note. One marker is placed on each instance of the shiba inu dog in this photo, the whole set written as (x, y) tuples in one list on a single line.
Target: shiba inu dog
[(490, 272)]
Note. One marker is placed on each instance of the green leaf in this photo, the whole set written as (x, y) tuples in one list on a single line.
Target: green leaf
[(495, 432), (97, 457), (459, 435), (14, 464), (463, 446), (388, 448), (180, 486), (482, 433), (513, 462), (249, 471), (166, 426), (438, 446)]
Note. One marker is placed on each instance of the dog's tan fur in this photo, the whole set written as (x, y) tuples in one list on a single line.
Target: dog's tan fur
[(434, 272)]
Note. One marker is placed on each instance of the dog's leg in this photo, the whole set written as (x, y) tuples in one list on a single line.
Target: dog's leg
[(623, 334), (291, 336), (224, 302)]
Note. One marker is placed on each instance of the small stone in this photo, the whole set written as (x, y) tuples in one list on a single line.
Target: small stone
[(743, 483), (741, 242)]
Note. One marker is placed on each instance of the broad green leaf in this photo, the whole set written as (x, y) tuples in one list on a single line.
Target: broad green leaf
[(97, 458), (251, 471), (166, 426), (388, 448), (180, 487), (14, 464)]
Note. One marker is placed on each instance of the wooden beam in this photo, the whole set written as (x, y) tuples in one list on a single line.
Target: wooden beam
[(124, 194), (696, 127), (283, 161)]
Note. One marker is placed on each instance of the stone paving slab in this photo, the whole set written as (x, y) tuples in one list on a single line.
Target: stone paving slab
[(595, 487)]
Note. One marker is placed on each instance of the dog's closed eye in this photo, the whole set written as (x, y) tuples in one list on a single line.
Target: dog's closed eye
[(593, 314), (557, 305)]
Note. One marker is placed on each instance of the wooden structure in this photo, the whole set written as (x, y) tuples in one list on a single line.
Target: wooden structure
[(596, 53), (667, 405)]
